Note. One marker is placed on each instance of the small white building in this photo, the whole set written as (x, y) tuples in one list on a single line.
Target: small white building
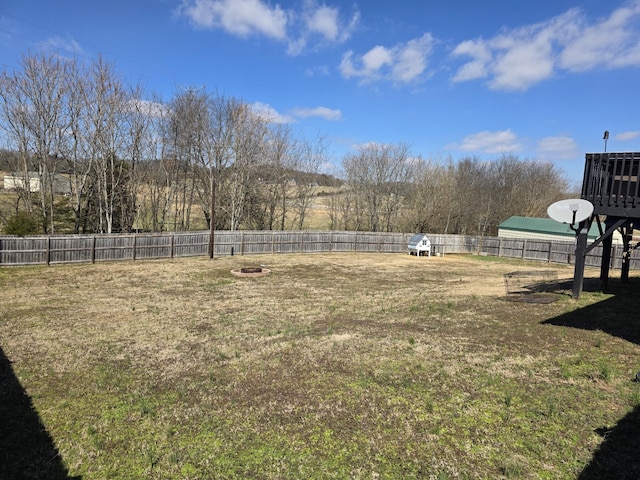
[(419, 245), (17, 181)]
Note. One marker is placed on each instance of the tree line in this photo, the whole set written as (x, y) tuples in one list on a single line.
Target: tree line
[(386, 189), (107, 159)]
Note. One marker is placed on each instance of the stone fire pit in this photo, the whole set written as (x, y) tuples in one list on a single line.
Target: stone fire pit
[(251, 272)]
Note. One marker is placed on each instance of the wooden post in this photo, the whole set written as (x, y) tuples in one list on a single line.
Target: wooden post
[(212, 214), (242, 243), (499, 247), (524, 248), (48, 251), (172, 242), (93, 249), (605, 262), (550, 250), (626, 255), (134, 244), (581, 247)]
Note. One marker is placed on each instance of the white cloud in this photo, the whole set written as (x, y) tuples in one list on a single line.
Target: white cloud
[(238, 17), (270, 114), (558, 148), (476, 68), (313, 23), (403, 63), (321, 70), (611, 43), (519, 58), (322, 112), (623, 136), (58, 44), (502, 141), (319, 25), (148, 108), (324, 21)]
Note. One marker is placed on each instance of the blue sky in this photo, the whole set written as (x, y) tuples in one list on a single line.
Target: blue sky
[(540, 80)]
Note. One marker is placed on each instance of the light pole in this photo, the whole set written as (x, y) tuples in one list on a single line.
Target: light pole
[(605, 138)]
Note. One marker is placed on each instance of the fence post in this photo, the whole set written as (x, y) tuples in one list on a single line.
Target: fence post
[(550, 250), (172, 242), (242, 243), (135, 242), (301, 242), (524, 248), (48, 251), (93, 249)]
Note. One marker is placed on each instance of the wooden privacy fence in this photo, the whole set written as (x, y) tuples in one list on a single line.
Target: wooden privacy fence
[(46, 250)]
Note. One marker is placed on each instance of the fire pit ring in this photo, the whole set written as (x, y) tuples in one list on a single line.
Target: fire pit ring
[(251, 272)]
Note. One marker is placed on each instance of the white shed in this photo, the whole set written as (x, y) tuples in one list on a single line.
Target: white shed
[(419, 244)]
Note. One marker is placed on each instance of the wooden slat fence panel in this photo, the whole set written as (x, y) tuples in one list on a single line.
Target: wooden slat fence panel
[(114, 247), (153, 246), (228, 243), (513, 248), (97, 248), (561, 252), (76, 249), (23, 251), (344, 242), (191, 244), (536, 250), (491, 246), (316, 242)]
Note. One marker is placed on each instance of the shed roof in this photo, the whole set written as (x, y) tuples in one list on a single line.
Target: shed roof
[(542, 225), (417, 238)]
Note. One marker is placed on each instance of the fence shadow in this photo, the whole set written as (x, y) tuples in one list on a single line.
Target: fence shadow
[(618, 456), (27, 450)]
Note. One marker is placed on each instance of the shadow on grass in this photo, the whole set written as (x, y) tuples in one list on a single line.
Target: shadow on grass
[(618, 456), (26, 449)]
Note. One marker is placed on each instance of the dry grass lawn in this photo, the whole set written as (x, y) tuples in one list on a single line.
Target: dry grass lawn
[(334, 366)]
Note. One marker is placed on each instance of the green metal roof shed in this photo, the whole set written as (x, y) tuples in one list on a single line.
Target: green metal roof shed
[(539, 228)]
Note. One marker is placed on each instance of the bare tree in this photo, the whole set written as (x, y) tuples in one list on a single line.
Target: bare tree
[(33, 107), (14, 109), (188, 134), (275, 175), (377, 176), (107, 101), (249, 134), (310, 156)]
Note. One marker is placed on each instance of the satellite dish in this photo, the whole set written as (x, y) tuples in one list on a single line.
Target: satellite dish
[(572, 210)]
